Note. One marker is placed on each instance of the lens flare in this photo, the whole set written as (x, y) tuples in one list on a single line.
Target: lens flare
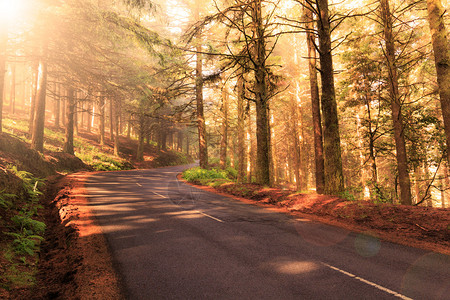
[(11, 10)]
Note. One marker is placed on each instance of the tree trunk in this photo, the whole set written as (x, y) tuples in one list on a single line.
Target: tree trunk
[(372, 161), (163, 140), (75, 113), (442, 61), (180, 141), (296, 142), (224, 130), (272, 149), (261, 99), (90, 116), (399, 136), (201, 124), (3, 41), (37, 139), (417, 184), (102, 119), (70, 110), (116, 128), (12, 91), (187, 144), (57, 104), (446, 185), (33, 97), (83, 113), (129, 127), (427, 178), (250, 150), (140, 149), (334, 178), (63, 106), (111, 120), (241, 128)]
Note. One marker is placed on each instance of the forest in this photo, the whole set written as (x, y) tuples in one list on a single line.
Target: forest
[(348, 98)]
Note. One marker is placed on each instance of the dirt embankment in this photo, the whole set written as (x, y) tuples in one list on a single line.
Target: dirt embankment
[(75, 261)]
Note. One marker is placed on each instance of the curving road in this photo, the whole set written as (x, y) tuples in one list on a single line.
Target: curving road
[(172, 241)]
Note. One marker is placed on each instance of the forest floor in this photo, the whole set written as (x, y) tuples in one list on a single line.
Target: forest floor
[(417, 226)]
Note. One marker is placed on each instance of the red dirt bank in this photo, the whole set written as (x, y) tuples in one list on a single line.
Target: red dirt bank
[(76, 262)]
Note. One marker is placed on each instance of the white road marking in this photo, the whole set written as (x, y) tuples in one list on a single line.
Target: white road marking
[(159, 195), (206, 215), (197, 211), (382, 288)]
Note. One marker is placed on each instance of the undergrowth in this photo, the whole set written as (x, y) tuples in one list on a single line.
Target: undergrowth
[(23, 230), (212, 177), (98, 159)]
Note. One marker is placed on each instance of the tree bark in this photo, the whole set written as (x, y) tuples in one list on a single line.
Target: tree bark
[(129, 127), (187, 144), (76, 113), (224, 130), (334, 178), (163, 140), (70, 110), (111, 120), (446, 186), (3, 41), (296, 142), (241, 128), (12, 91), (315, 104), (180, 141), (90, 116), (442, 61), (261, 98), (140, 149), (372, 160), (102, 119), (116, 128), (201, 124), (57, 104), (399, 136), (37, 139), (63, 106), (250, 149), (33, 97)]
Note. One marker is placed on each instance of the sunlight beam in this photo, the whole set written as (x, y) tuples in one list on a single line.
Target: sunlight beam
[(11, 10)]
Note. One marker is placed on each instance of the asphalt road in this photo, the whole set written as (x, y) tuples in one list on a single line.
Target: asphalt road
[(172, 241)]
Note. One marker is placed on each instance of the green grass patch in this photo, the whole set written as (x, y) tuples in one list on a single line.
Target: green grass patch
[(197, 174), (98, 159)]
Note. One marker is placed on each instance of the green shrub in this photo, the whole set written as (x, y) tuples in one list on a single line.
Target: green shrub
[(347, 195), (30, 183), (27, 225), (231, 173), (172, 158), (214, 162), (5, 200), (197, 174), (25, 244)]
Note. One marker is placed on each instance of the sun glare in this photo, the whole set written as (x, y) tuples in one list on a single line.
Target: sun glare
[(10, 10)]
